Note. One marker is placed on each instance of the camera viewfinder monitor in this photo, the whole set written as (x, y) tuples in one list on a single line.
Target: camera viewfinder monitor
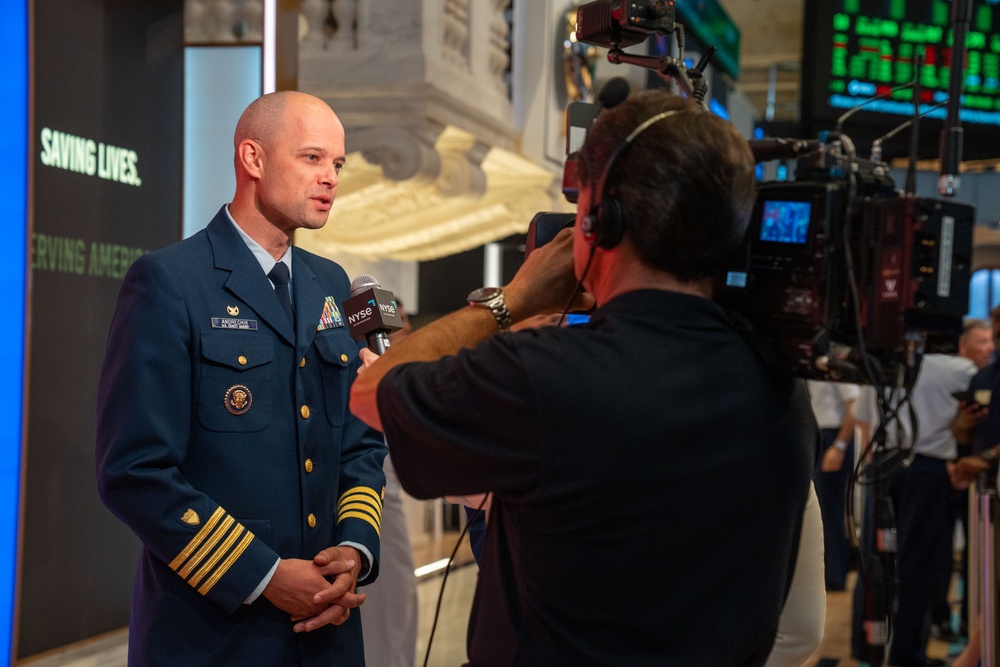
[(785, 221)]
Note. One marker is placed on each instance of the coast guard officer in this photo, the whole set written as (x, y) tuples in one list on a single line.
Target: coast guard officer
[(223, 435)]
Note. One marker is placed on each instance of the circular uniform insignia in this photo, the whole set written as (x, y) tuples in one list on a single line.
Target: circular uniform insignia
[(238, 399)]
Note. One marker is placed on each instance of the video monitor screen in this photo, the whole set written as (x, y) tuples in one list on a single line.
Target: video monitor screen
[(785, 221), (857, 50)]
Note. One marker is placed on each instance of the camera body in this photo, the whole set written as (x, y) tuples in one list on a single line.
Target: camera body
[(851, 279), (616, 24)]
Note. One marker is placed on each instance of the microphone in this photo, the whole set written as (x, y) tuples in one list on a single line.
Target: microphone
[(777, 148), (613, 93), (372, 313), (950, 147)]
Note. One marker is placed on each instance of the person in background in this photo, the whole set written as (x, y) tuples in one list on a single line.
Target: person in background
[(833, 406), (979, 340), (922, 495), (803, 617), (223, 435), (977, 429), (983, 467), (995, 326)]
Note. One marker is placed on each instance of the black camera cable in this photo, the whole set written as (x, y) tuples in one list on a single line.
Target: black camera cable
[(447, 569)]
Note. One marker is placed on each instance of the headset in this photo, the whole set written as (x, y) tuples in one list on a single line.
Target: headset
[(604, 224)]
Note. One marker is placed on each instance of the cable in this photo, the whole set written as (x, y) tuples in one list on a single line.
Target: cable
[(579, 286), (444, 579), (877, 461)]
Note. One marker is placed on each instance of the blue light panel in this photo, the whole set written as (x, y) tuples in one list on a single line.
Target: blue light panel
[(13, 273)]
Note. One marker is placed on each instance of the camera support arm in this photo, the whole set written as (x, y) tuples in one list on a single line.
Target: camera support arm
[(690, 80)]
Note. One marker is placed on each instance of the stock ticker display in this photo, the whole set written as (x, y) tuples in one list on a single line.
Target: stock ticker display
[(858, 49)]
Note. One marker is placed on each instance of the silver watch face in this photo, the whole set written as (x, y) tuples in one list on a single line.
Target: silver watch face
[(483, 294)]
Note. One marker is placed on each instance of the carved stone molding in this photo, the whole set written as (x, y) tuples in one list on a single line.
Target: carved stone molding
[(451, 56), (479, 194), (402, 153), (456, 33), (461, 166), (223, 21)]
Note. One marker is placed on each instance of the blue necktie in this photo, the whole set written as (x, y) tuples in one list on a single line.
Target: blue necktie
[(281, 279)]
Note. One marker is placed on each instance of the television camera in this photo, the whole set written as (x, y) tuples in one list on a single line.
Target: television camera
[(850, 278)]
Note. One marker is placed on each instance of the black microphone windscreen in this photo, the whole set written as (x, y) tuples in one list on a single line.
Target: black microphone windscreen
[(614, 92), (363, 282), (778, 148)]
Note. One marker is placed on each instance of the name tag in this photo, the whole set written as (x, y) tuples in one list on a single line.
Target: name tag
[(233, 323)]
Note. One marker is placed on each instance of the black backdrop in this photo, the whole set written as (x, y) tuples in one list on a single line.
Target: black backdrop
[(108, 114)]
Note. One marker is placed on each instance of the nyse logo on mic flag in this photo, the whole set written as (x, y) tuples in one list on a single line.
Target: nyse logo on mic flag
[(331, 317), (373, 309)]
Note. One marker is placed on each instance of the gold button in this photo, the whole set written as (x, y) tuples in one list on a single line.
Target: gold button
[(343, 358), (242, 360), (311, 519), (309, 465), (302, 364), (304, 412)]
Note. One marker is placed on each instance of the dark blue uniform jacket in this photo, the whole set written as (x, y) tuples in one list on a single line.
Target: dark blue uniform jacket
[(224, 442)]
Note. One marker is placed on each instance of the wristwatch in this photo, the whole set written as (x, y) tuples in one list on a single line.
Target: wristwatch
[(492, 298), (989, 455)]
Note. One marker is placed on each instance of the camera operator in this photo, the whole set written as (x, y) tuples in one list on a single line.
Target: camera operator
[(649, 470)]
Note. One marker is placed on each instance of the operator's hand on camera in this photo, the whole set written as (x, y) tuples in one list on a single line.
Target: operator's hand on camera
[(546, 282)]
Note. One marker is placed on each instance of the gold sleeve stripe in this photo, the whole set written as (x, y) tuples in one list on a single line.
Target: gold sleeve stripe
[(217, 556), (360, 492), (226, 564), (208, 546), (196, 540), (360, 506), (362, 500), (363, 517), (364, 507)]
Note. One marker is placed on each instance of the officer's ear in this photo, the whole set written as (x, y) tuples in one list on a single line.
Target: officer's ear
[(250, 158)]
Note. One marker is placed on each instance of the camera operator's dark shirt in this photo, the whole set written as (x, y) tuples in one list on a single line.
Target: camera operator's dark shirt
[(649, 478)]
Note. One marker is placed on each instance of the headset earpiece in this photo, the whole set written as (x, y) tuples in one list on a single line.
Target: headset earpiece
[(612, 222), (604, 225)]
